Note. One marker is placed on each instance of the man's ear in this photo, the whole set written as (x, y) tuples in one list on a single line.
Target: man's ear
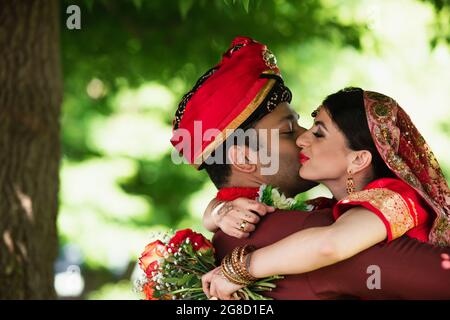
[(359, 160), (242, 158)]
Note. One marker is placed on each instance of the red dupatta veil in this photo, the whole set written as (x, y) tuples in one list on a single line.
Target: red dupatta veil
[(407, 154)]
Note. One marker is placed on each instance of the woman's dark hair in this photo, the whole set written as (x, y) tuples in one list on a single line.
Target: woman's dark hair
[(346, 108)]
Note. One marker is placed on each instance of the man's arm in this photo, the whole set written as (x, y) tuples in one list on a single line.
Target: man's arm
[(402, 269)]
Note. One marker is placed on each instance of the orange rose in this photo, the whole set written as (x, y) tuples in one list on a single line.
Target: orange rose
[(149, 258), (148, 291)]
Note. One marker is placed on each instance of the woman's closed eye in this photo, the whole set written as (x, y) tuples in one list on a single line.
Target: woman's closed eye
[(317, 134)]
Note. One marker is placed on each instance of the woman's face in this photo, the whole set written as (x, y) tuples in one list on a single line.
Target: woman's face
[(324, 154)]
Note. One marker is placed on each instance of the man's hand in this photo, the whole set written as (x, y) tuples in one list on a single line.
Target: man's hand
[(239, 217), (216, 285), (445, 261)]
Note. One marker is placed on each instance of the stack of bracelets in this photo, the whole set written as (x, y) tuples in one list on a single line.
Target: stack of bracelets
[(234, 266)]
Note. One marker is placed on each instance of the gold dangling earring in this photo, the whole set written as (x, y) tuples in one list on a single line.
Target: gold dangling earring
[(350, 184)]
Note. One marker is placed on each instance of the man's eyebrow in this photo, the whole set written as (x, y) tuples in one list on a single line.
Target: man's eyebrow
[(291, 116), (320, 123)]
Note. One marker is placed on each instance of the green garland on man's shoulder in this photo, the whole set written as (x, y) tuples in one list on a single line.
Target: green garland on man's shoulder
[(273, 197)]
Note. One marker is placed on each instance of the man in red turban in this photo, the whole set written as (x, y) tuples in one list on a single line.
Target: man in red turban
[(246, 91)]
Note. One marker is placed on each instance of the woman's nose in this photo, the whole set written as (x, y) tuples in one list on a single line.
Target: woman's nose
[(302, 140)]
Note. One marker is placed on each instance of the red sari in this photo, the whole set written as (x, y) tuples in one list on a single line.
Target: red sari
[(396, 203)]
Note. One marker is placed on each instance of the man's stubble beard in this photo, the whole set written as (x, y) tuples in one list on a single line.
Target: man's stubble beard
[(288, 180)]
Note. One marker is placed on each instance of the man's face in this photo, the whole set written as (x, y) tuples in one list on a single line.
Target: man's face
[(286, 178)]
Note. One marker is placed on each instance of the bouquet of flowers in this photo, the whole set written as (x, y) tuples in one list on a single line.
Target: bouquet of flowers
[(174, 266)]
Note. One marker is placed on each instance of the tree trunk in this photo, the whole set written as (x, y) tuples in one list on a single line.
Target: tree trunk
[(30, 102)]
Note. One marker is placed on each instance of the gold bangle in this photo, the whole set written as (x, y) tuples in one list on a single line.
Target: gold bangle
[(230, 271), (230, 274), (247, 250), (234, 266)]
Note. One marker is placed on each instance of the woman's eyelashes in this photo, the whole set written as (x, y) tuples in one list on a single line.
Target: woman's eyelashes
[(318, 134)]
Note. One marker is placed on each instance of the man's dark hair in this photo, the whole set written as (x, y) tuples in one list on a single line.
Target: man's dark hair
[(346, 109)]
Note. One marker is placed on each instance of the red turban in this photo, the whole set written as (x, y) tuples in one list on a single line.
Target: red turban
[(225, 97)]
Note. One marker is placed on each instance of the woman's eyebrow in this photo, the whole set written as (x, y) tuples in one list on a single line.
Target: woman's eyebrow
[(320, 123)]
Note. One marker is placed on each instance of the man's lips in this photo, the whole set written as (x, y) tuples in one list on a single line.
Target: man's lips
[(302, 158)]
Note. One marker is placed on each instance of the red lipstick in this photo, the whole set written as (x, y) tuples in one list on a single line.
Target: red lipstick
[(302, 158)]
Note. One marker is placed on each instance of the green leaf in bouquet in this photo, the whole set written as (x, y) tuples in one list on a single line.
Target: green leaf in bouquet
[(188, 248), (192, 281), (208, 260), (183, 279), (171, 280), (157, 294)]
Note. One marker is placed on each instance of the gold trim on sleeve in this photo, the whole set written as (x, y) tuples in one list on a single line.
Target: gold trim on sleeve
[(391, 204)]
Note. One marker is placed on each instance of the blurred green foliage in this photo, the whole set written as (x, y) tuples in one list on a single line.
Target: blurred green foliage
[(441, 24), (130, 63)]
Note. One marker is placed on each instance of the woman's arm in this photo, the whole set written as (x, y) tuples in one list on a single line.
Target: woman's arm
[(314, 248)]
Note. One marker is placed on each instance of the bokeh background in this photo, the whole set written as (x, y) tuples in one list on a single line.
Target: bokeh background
[(128, 66)]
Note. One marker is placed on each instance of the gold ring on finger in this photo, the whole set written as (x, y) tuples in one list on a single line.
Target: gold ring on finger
[(243, 225)]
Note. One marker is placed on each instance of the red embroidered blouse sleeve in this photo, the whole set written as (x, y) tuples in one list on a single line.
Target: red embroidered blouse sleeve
[(392, 200)]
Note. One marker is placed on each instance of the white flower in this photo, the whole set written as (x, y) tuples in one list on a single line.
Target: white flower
[(280, 201)]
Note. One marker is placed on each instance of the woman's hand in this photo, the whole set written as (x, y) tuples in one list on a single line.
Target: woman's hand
[(239, 217), (216, 285)]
